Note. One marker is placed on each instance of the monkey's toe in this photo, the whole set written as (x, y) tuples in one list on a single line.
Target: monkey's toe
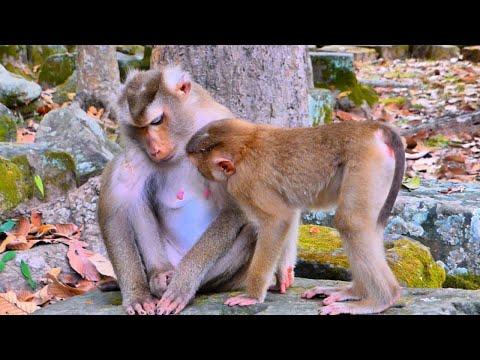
[(241, 301)]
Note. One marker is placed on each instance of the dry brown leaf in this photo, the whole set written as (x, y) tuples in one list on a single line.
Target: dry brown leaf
[(345, 116), (36, 218), (61, 291), (103, 265), (10, 305), (455, 157), (69, 279), (67, 230), (24, 136), (415, 156), (461, 188), (70, 96), (5, 242), (78, 258), (42, 230), (21, 228), (41, 296), (55, 272), (86, 285), (92, 111), (24, 295), (464, 178)]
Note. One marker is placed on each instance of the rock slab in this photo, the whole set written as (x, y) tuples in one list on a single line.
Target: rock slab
[(413, 302)]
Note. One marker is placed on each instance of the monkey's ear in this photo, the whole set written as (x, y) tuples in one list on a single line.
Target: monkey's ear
[(178, 81), (226, 165)]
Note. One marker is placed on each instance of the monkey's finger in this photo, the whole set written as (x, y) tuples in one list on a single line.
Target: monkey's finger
[(283, 287), (139, 309), (130, 311), (149, 308), (334, 309), (291, 276), (179, 308)]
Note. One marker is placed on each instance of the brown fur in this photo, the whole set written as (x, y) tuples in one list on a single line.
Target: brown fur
[(272, 172)]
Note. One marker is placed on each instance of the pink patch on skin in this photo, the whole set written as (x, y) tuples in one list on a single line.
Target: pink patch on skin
[(389, 151), (206, 193), (180, 195)]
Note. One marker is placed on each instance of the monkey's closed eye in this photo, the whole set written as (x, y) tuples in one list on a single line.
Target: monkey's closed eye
[(157, 121)]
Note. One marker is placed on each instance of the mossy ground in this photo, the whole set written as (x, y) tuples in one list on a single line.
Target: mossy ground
[(63, 166), (8, 129), (22, 162), (437, 141), (12, 186), (411, 262), (464, 281)]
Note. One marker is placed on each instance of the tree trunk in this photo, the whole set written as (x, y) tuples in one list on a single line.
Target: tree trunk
[(98, 75), (264, 84)]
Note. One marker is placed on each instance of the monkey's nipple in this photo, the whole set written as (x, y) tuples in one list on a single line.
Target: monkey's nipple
[(180, 194)]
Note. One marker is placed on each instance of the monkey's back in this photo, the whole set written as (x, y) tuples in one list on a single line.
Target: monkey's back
[(288, 156)]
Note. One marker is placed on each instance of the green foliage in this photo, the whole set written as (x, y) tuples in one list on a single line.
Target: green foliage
[(7, 226), (463, 281), (39, 183), (27, 274), (10, 255), (437, 141), (411, 183)]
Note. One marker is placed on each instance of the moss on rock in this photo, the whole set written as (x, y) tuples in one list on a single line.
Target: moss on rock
[(27, 171), (463, 281), (410, 261), (8, 129), (57, 69), (59, 168), (37, 54), (437, 141), (69, 86), (12, 186)]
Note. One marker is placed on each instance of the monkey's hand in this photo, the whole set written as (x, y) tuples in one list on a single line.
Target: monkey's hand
[(284, 280), (241, 300), (175, 299), (144, 305)]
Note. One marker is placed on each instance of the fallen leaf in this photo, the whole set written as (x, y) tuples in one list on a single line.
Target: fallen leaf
[(41, 296), (36, 218), (461, 188), (67, 230), (55, 272), (24, 136), (314, 230), (416, 156), (61, 291), (24, 295), (5, 242), (10, 305), (103, 265), (71, 96), (411, 183), (345, 116), (78, 258), (457, 158), (86, 285)]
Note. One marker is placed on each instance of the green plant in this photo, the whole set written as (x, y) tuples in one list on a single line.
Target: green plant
[(27, 274), (39, 183), (9, 255)]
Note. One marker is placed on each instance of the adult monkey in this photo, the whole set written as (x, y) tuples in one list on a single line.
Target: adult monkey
[(154, 205)]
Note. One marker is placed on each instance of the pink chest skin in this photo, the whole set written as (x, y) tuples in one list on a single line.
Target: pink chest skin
[(206, 193), (180, 194)]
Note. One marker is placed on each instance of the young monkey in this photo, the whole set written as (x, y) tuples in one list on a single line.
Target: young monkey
[(273, 172)]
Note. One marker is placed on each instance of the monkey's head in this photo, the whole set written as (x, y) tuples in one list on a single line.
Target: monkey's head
[(152, 112), (218, 148)]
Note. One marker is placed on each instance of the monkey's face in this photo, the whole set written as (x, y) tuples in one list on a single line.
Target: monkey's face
[(152, 115)]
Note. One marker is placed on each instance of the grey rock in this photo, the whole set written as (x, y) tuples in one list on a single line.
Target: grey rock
[(321, 103), (78, 207), (435, 52), (390, 52), (56, 169), (37, 54), (359, 53), (6, 111), (413, 302), (56, 69), (70, 129), (330, 68), (448, 224), (40, 259), (471, 53), (15, 90)]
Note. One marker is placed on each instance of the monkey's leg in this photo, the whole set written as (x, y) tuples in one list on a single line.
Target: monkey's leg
[(332, 293), (151, 243), (285, 275), (359, 205), (214, 243), (270, 243)]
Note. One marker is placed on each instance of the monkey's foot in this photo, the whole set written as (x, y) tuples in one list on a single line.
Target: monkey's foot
[(146, 307), (159, 282), (325, 291), (172, 304), (354, 308), (241, 300), (285, 279)]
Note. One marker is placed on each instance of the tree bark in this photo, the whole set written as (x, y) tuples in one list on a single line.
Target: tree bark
[(98, 75), (264, 84)]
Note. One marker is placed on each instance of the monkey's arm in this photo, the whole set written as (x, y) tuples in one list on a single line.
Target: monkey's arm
[(119, 238), (214, 243)]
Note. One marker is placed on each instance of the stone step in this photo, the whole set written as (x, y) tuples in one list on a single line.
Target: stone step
[(390, 52), (448, 224), (359, 53), (412, 302), (471, 53), (435, 52)]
